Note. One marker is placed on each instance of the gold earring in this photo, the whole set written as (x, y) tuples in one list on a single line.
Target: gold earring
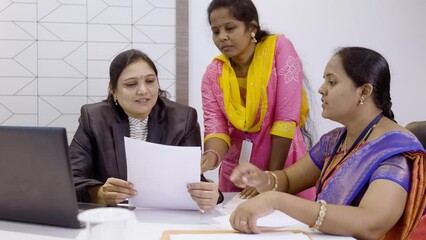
[(361, 100), (253, 37)]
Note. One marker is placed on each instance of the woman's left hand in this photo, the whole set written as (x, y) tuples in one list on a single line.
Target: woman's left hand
[(244, 218), (205, 194), (248, 175)]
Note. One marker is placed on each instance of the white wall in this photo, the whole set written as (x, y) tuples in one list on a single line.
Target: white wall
[(395, 28)]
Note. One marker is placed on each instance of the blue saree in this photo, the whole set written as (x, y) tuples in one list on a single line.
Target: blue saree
[(349, 179), (396, 156)]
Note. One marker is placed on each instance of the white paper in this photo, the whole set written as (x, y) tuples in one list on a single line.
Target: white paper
[(236, 236), (275, 220), (160, 174)]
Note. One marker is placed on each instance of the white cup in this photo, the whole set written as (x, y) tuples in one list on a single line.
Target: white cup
[(106, 223)]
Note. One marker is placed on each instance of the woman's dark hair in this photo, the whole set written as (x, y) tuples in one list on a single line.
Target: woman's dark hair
[(242, 10), (120, 62), (364, 66)]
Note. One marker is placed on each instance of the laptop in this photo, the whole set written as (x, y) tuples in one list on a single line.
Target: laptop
[(36, 182)]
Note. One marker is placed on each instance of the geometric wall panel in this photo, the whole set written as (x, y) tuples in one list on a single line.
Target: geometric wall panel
[(63, 31), (61, 86), (66, 13), (168, 61), (168, 85), (55, 54), (22, 120), (27, 58), (98, 68), (18, 12), (31, 89), (20, 104), (5, 114), (164, 4), (12, 68), (64, 104), (13, 30), (105, 50), (28, 27), (11, 48), (106, 33), (164, 72), (98, 87), (158, 17), (155, 51), (113, 15), (78, 90), (44, 8), (55, 68), (12, 86), (56, 49), (156, 34), (48, 113), (142, 8)]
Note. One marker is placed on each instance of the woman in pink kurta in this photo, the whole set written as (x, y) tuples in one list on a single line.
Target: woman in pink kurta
[(270, 79)]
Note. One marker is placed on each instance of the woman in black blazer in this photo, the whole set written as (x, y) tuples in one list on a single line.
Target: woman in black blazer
[(136, 107)]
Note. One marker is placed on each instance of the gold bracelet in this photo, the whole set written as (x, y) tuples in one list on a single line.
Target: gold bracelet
[(321, 215), (276, 181), (218, 158), (269, 182)]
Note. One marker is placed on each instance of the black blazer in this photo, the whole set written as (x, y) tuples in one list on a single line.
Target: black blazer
[(97, 149)]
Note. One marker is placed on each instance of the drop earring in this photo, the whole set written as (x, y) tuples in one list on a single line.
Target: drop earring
[(115, 102), (253, 37), (361, 100)]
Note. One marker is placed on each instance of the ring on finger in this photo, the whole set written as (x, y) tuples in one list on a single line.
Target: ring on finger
[(243, 222)]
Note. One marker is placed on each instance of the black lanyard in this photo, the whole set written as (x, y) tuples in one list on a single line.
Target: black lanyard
[(364, 135)]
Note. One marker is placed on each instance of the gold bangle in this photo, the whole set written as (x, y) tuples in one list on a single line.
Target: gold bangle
[(258, 189), (218, 161), (321, 215), (275, 181)]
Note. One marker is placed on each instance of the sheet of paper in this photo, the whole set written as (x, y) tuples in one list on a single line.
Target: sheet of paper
[(229, 206), (236, 236), (160, 174), (275, 220)]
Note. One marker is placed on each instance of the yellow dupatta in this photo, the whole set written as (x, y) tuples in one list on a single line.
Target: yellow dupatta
[(243, 116)]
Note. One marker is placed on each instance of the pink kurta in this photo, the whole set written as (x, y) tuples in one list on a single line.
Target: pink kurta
[(284, 102)]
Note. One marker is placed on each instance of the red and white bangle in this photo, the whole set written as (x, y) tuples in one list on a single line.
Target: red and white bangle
[(217, 155)]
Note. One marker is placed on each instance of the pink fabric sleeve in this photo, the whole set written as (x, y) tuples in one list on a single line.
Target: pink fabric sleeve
[(215, 120), (289, 72)]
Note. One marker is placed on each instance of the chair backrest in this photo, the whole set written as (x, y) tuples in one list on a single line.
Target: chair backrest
[(419, 130)]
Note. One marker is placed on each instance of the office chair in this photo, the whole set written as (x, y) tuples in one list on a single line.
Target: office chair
[(419, 130)]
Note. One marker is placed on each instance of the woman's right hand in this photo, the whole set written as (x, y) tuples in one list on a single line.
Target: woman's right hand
[(113, 192), (244, 218), (248, 175)]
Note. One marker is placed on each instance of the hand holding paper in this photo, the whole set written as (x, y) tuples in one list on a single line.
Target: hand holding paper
[(161, 173)]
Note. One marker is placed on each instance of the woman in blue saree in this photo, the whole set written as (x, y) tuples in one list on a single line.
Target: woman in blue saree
[(369, 174)]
